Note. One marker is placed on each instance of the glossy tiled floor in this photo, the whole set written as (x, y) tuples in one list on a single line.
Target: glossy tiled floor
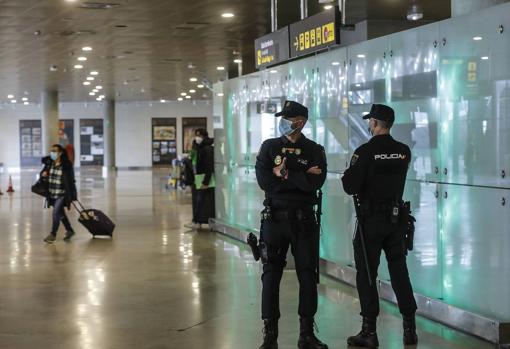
[(155, 285)]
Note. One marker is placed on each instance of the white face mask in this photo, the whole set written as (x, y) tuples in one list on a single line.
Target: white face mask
[(198, 139)]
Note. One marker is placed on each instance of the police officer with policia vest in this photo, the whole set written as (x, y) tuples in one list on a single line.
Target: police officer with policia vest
[(376, 177), (291, 170)]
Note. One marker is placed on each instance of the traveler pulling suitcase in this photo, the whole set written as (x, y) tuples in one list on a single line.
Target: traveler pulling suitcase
[(96, 222)]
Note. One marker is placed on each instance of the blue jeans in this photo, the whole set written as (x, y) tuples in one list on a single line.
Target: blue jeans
[(59, 214)]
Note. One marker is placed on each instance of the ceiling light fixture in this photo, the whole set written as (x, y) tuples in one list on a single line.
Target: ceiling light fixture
[(477, 38), (220, 68), (328, 7), (200, 86), (179, 99), (86, 48), (188, 97), (273, 71), (227, 15), (10, 96), (361, 55), (238, 60), (78, 66), (183, 94), (99, 87), (484, 58), (220, 94), (192, 91), (26, 103), (335, 63), (193, 79), (90, 78), (414, 13), (94, 73), (24, 99), (13, 101), (163, 101), (86, 83), (92, 93), (82, 59)]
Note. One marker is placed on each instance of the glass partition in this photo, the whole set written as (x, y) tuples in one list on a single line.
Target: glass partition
[(449, 83)]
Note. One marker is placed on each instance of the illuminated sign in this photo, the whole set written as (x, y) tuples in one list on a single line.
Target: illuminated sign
[(315, 33), (272, 48)]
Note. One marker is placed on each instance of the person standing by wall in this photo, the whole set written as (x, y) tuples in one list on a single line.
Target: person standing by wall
[(376, 176), (204, 178), (61, 192)]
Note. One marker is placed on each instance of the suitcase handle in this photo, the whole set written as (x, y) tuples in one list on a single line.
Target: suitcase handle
[(80, 206)]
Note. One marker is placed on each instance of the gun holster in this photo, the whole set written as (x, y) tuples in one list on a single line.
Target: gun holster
[(408, 221)]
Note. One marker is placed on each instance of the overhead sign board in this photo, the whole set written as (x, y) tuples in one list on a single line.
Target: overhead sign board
[(272, 48), (315, 33)]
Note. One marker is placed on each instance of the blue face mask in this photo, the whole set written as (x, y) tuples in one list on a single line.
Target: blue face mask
[(54, 155), (285, 127)]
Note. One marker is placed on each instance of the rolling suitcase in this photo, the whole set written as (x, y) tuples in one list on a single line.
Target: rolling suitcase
[(96, 222)]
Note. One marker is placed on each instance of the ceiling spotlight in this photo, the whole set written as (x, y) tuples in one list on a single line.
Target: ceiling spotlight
[(24, 99), (273, 71), (86, 48), (192, 91), (86, 83), (361, 55), (94, 73), (188, 97), (99, 87), (163, 101), (477, 38), (227, 15), (193, 79), (82, 59), (78, 66), (92, 93), (98, 99), (13, 101), (200, 86), (485, 58), (183, 94), (414, 13), (328, 7), (179, 99), (26, 103), (220, 68), (102, 96), (10, 96), (70, 0), (238, 60), (95, 90), (220, 94), (335, 63), (90, 78)]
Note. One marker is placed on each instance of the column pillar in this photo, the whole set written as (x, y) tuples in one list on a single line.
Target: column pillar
[(49, 102), (109, 135)]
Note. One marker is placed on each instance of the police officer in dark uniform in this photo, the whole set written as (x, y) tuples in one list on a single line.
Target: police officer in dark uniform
[(377, 176), (290, 169)]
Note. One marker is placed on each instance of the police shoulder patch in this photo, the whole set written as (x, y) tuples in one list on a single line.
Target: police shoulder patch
[(354, 159)]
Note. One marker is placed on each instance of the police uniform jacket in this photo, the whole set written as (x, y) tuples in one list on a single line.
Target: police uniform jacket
[(299, 188), (378, 170)]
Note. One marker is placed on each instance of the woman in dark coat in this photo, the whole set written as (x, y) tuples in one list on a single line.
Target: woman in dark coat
[(205, 173), (61, 190)]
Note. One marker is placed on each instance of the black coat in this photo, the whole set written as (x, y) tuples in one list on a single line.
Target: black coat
[(68, 181), (205, 159)]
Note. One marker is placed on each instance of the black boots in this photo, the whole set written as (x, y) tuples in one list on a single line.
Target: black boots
[(270, 334), (410, 336), (307, 339), (367, 338)]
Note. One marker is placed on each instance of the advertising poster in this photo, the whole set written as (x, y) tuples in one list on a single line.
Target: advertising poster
[(91, 142), (30, 143), (164, 142), (66, 132), (189, 126)]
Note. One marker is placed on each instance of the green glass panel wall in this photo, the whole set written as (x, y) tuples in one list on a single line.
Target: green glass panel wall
[(449, 83)]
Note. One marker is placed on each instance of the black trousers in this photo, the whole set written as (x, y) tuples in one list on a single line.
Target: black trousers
[(205, 204), (302, 237), (381, 234)]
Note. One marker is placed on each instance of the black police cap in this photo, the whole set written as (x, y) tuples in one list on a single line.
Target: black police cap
[(292, 109), (381, 112)]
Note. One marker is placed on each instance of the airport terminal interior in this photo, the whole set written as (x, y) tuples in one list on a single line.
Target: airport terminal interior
[(159, 110)]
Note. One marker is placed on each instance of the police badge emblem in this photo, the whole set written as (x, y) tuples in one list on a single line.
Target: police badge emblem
[(278, 160)]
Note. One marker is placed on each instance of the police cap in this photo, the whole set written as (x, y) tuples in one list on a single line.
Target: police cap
[(381, 112), (292, 109)]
